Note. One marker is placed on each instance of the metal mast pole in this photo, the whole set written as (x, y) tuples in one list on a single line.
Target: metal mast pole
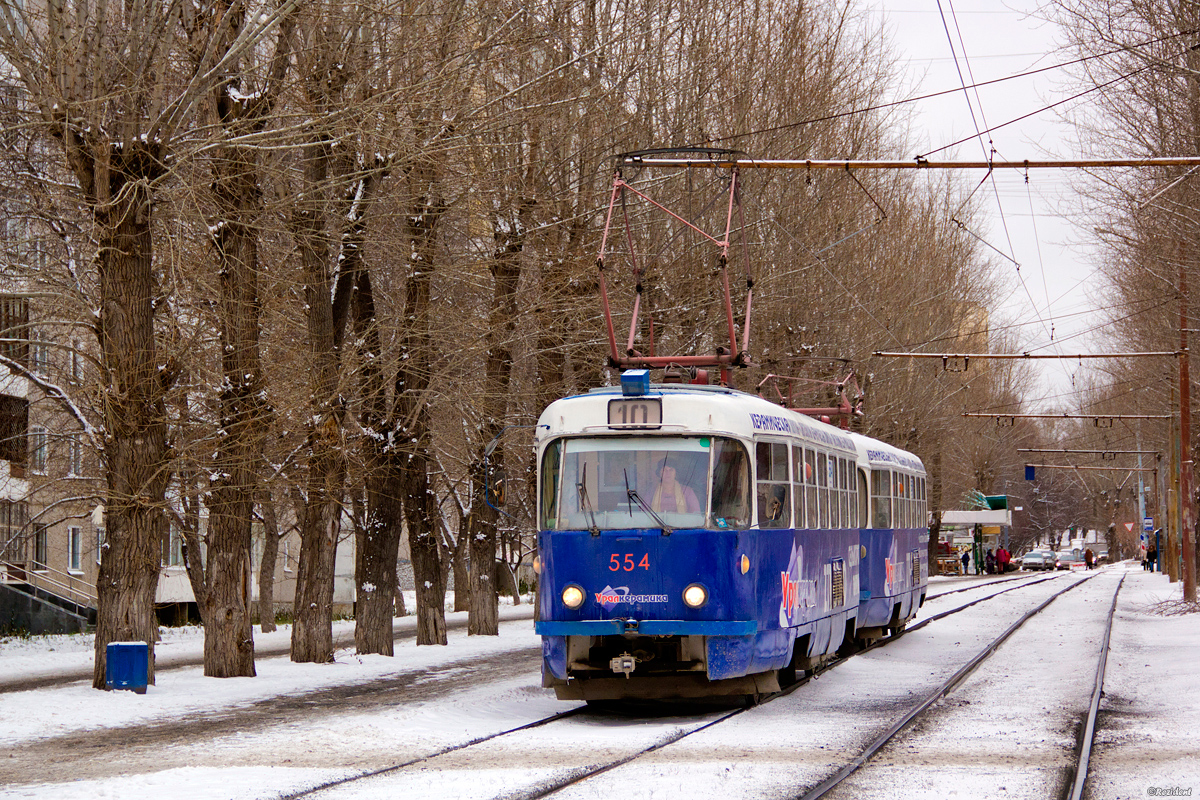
[(1173, 511), (1142, 495), (1187, 535)]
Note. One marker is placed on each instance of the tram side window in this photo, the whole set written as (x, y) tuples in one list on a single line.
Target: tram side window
[(881, 499), (730, 485), (798, 484), (852, 495), (898, 507), (911, 487), (844, 494), (551, 466), (823, 488), (924, 505), (835, 491), (811, 519), (774, 495)]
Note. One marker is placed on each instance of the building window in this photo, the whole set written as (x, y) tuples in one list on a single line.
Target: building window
[(287, 563), (74, 549), (76, 363), (39, 547), (14, 421), (74, 455), (13, 517), (101, 540), (172, 555), (37, 449), (14, 328), (39, 354)]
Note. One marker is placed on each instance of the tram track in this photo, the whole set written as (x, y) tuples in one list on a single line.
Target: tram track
[(824, 788), (577, 775), (1076, 772)]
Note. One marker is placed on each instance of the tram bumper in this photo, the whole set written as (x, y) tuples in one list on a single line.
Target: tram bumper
[(585, 649)]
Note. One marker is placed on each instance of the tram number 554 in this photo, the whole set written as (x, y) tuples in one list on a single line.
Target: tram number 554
[(626, 562), (641, 413)]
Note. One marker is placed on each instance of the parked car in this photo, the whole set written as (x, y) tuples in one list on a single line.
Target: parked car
[(1038, 560), (1068, 559)]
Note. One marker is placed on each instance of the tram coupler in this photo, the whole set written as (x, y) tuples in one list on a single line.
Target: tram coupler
[(623, 664)]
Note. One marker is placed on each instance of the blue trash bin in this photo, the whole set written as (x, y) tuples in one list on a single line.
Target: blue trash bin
[(127, 666)]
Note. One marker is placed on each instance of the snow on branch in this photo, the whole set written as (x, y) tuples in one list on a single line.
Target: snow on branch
[(56, 392)]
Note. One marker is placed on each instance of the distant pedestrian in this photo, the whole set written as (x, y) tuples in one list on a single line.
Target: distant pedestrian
[(1089, 558), (1152, 558), (966, 559), (1002, 559), (989, 562)]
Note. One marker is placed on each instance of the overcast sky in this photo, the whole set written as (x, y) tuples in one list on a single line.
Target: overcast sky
[(1053, 294)]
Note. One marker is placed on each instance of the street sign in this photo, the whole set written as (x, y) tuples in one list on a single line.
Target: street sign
[(1148, 524), (1129, 527)]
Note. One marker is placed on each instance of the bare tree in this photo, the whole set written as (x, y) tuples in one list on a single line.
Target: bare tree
[(111, 92)]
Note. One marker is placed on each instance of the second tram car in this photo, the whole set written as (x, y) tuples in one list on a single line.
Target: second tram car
[(698, 541)]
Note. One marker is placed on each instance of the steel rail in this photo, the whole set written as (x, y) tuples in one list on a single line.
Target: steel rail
[(675, 737), (929, 597), (1089, 731), (830, 783), (444, 751), (578, 776)]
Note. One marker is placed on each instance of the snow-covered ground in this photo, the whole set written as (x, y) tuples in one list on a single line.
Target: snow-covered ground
[(1005, 732)]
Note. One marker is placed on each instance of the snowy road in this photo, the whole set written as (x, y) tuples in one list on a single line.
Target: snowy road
[(1008, 730)]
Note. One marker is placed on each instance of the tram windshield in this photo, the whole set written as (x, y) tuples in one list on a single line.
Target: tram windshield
[(615, 483)]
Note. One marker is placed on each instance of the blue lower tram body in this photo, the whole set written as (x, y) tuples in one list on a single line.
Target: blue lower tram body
[(895, 573), (777, 600)]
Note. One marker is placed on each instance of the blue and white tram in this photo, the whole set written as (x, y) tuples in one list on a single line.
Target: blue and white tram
[(894, 566), (698, 541)]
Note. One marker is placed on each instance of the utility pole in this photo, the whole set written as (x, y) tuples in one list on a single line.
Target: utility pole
[(1173, 499), (1187, 534), (1142, 494)]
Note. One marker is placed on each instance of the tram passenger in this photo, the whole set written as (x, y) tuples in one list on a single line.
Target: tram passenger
[(671, 495), (966, 559), (989, 562), (1002, 559)]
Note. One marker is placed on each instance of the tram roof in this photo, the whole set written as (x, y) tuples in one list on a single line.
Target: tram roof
[(882, 455), (689, 408)]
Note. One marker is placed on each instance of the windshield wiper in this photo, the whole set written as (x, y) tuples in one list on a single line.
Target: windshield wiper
[(634, 497), (586, 503)]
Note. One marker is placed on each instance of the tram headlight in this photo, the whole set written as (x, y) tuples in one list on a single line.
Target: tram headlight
[(572, 596), (744, 563), (537, 565), (695, 595)]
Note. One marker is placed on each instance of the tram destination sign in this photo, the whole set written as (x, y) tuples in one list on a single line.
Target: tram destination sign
[(641, 412)]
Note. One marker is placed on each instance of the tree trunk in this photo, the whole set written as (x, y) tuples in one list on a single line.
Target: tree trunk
[(266, 569), (136, 456), (312, 629), (458, 563), (379, 539), (228, 633), (375, 567), (412, 387), (509, 236)]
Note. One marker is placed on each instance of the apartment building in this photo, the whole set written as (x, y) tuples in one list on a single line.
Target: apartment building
[(51, 514)]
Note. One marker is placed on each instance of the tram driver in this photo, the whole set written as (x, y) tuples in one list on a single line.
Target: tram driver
[(671, 495)]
